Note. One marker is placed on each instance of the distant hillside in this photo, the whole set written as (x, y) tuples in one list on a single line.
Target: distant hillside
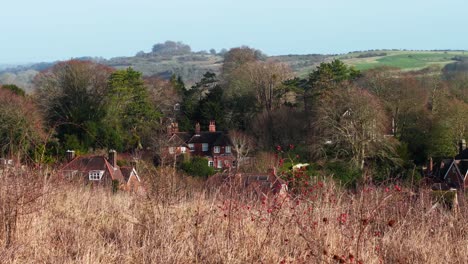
[(177, 58), (405, 60)]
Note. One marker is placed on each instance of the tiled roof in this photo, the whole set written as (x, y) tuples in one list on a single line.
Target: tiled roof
[(126, 172), (212, 138), (88, 163)]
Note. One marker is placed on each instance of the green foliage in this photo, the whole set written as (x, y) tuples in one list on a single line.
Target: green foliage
[(197, 166), (442, 140), (203, 102), (72, 95), (344, 173), (130, 112), (13, 88)]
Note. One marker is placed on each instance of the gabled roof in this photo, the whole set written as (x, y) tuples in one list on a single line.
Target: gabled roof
[(179, 138), (217, 138), (89, 163), (127, 173), (184, 136)]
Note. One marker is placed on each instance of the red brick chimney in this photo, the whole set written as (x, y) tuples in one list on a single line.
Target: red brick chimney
[(172, 129), (197, 128), (212, 127)]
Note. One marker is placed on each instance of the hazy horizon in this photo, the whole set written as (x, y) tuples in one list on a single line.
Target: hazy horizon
[(52, 30)]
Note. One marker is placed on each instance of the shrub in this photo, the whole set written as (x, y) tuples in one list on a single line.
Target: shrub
[(197, 166), (343, 173)]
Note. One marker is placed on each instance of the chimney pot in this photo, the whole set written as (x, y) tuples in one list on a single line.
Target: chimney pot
[(212, 127)]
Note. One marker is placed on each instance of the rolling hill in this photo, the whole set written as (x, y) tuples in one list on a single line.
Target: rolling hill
[(192, 65)]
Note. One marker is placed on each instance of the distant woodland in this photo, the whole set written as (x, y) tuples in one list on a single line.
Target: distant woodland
[(384, 121)]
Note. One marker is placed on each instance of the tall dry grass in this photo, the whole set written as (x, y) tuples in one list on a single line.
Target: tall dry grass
[(177, 222)]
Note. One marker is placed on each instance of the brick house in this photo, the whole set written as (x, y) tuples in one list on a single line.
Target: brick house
[(100, 170), (213, 145)]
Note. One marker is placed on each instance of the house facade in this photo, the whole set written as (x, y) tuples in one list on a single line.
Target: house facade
[(213, 145)]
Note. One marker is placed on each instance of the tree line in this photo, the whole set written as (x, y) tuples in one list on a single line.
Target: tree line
[(383, 121)]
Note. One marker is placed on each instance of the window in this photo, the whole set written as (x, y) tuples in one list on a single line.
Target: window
[(220, 164), (217, 149), (191, 146), (96, 175), (205, 147), (171, 150), (210, 163), (227, 149), (183, 149)]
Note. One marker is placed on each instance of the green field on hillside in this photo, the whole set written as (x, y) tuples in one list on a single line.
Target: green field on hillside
[(405, 60)]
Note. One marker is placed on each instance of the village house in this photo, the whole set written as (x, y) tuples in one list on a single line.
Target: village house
[(100, 170), (451, 172), (213, 145)]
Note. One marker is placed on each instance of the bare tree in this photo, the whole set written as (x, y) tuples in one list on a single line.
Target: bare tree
[(21, 130), (353, 123), (163, 95), (242, 144)]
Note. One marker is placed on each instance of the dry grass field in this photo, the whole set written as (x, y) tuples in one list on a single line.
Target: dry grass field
[(46, 220)]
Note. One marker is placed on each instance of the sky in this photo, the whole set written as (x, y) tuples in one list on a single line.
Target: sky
[(49, 30)]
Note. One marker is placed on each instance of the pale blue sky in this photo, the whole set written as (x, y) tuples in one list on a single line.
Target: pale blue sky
[(46, 30)]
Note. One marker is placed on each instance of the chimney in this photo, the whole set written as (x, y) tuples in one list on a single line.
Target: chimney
[(197, 128), (172, 128), (462, 145), (70, 155), (212, 127), (113, 158)]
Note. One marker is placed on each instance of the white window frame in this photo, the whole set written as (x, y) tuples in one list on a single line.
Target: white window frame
[(220, 164), (183, 149), (227, 149), (217, 149), (204, 147), (171, 150), (191, 146), (95, 175), (210, 163)]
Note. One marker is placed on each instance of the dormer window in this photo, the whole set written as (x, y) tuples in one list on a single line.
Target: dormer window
[(216, 149), (191, 146), (227, 149), (96, 175), (205, 147)]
